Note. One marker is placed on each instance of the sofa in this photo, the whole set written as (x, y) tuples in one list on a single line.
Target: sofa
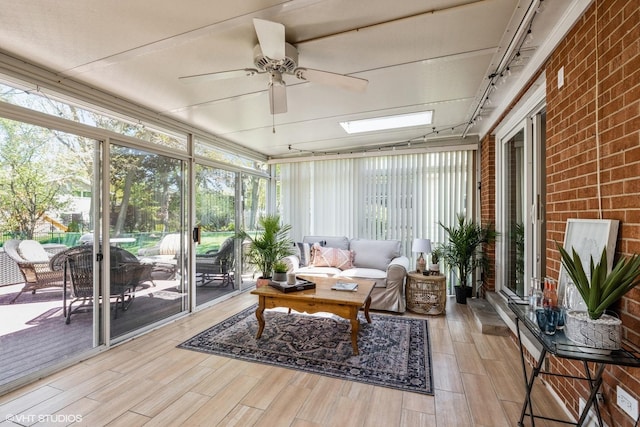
[(339, 256)]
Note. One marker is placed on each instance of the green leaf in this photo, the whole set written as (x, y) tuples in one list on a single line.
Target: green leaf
[(604, 288)]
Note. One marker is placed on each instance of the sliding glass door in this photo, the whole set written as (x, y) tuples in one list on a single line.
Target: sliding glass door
[(254, 205), (147, 238), (49, 190), (215, 263)]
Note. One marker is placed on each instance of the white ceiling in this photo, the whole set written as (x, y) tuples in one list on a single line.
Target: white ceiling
[(416, 55)]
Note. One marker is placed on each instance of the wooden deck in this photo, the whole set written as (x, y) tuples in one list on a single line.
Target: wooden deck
[(33, 333)]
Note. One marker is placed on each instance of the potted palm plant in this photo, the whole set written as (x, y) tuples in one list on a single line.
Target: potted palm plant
[(270, 244), (593, 329), (464, 252)]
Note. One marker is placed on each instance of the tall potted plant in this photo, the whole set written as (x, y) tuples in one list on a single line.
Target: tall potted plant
[(600, 289), (464, 251), (270, 244)]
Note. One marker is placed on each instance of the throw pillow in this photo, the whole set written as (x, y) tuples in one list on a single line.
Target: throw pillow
[(332, 257), (304, 253)]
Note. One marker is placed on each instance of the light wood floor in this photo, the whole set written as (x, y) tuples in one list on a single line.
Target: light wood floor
[(148, 381)]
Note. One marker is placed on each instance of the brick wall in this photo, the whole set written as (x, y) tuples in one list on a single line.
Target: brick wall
[(488, 198), (593, 134), (593, 170)]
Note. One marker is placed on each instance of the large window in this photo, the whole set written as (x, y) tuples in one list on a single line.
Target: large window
[(115, 190), (37, 99), (388, 197)]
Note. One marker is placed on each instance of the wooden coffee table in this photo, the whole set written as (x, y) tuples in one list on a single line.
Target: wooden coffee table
[(345, 304)]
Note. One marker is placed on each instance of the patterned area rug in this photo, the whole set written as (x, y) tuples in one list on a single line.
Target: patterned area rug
[(394, 350)]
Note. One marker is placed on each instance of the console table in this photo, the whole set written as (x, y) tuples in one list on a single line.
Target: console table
[(560, 346), (426, 294)]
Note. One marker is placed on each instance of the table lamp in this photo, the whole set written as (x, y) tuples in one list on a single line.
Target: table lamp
[(421, 246)]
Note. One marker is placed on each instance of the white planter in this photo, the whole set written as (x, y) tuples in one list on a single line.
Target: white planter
[(595, 336)]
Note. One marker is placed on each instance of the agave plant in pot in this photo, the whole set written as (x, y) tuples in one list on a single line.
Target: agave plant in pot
[(592, 329), (269, 245)]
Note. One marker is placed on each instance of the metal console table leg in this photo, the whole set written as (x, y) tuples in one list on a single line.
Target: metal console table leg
[(594, 386)]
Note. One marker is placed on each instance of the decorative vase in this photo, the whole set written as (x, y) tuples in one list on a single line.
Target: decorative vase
[(599, 336), (421, 264)]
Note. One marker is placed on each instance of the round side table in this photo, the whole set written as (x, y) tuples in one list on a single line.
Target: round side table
[(426, 294)]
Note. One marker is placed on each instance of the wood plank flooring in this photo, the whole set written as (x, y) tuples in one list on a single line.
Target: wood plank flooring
[(148, 381)]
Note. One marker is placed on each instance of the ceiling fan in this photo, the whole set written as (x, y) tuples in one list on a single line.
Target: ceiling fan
[(275, 57)]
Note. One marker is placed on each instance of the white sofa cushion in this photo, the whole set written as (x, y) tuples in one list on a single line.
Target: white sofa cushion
[(32, 251), (368, 253), (318, 271), (379, 276)]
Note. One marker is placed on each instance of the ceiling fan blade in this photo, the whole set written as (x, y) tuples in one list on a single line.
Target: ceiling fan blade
[(231, 74), (333, 79), (277, 94), (271, 38)]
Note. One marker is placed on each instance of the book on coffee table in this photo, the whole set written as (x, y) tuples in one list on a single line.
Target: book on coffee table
[(300, 285), (345, 286)]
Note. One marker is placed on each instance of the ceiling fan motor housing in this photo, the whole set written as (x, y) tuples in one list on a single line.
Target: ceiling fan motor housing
[(285, 65)]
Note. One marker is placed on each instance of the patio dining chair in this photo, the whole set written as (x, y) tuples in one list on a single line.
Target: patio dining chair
[(33, 262), (216, 265), (126, 274)]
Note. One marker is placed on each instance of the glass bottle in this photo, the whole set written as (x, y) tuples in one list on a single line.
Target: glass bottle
[(550, 294), (535, 294)]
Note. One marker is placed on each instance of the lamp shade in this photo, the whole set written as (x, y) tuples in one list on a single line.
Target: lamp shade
[(421, 245)]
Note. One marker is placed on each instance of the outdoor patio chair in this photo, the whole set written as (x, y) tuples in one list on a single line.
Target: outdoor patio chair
[(126, 274), (33, 262), (166, 249), (216, 265)]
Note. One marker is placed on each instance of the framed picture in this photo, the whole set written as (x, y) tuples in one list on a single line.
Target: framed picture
[(588, 237)]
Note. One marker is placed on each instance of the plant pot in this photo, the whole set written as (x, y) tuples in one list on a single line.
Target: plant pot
[(280, 277), (262, 281), (434, 269), (599, 336), (461, 294)]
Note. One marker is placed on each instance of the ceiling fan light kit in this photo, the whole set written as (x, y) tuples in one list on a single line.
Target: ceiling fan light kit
[(277, 94), (273, 55)]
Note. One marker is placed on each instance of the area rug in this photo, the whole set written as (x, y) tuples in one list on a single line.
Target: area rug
[(394, 350)]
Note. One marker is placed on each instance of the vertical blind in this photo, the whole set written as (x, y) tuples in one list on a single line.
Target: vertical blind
[(387, 197)]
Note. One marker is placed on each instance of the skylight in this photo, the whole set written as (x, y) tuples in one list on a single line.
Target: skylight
[(388, 122)]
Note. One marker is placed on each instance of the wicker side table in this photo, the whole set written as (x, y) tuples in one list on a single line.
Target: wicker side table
[(426, 294)]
